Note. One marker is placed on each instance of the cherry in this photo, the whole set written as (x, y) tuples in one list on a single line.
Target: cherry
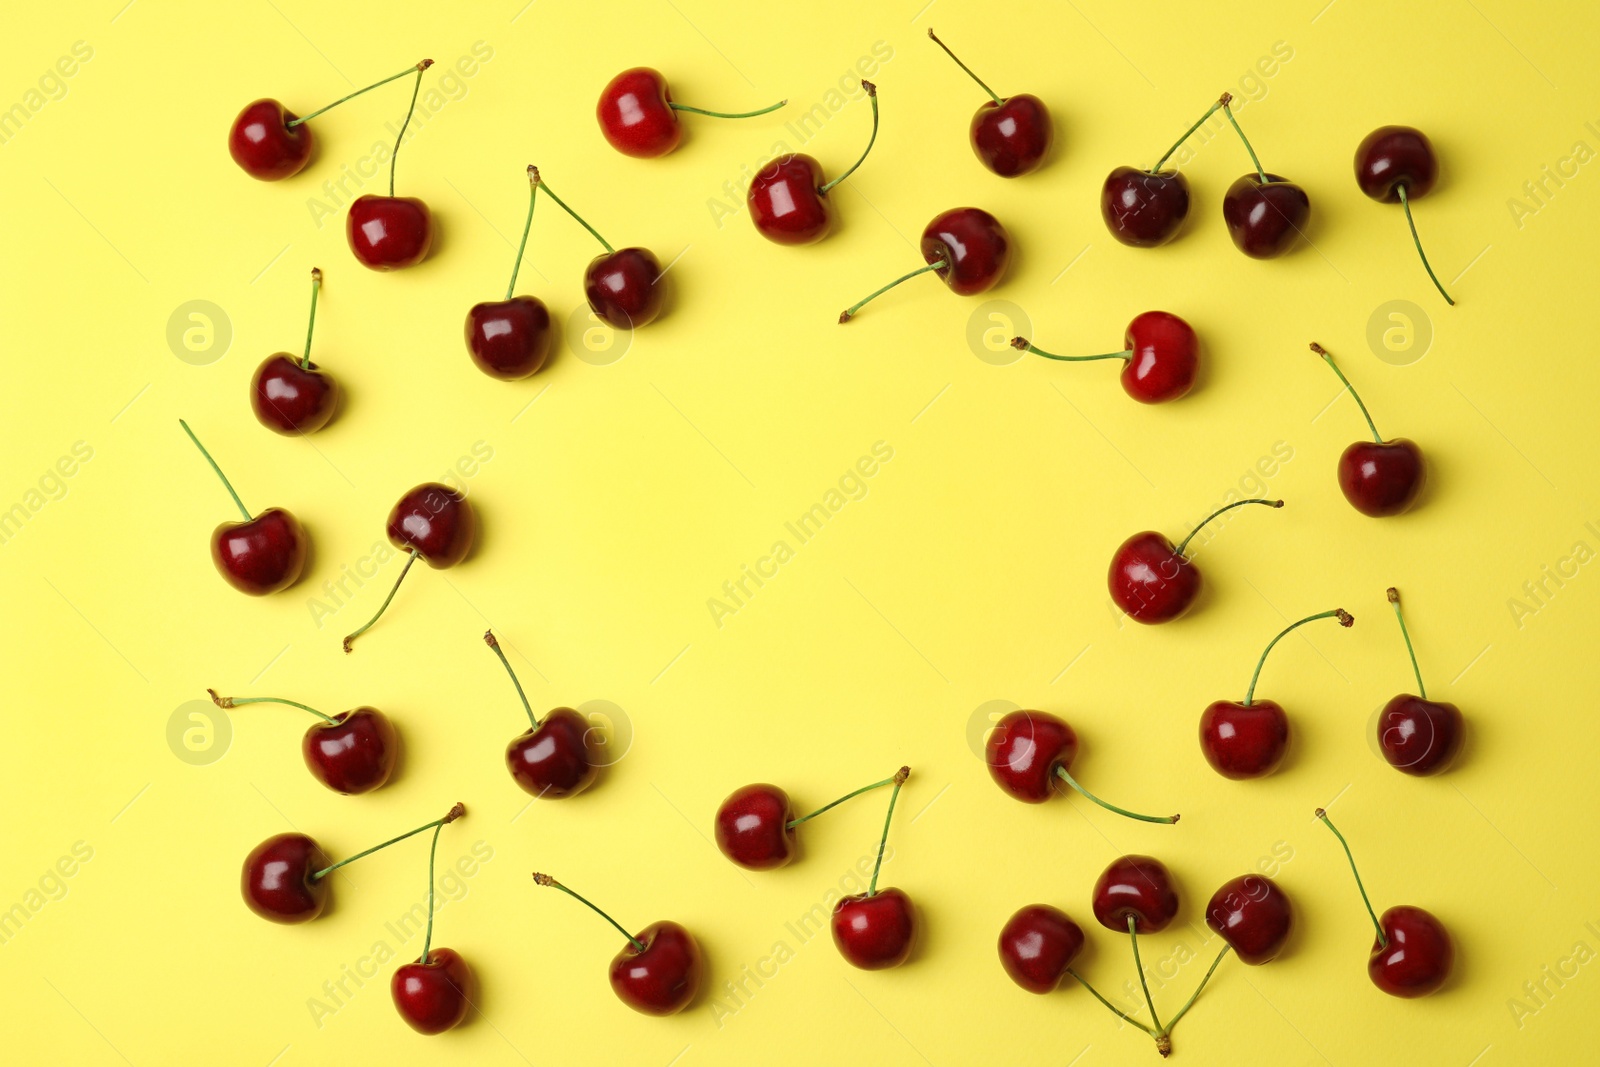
[(966, 247), (1135, 892), (1249, 740), (391, 232), (1038, 945), (1383, 478), (658, 972), (553, 758), (623, 286), (293, 396), (877, 929), (1160, 355), (433, 993), (284, 879), (269, 142), (1153, 581), (263, 554), (1252, 914), (755, 825), (432, 522), (351, 752), (1416, 735), (788, 200), (1028, 750), (1412, 954), (1265, 213), (1145, 208), (1397, 163), (509, 339), (638, 117), (1010, 136)]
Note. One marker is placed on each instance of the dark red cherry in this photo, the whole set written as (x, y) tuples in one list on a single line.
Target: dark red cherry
[(1244, 741), (635, 114), (436, 522), (263, 143), (355, 753), (1012, 137), (1252, 914), (786, 202), (262, 555), (1420, 737), (509, 339), (1144, 209), (752, 827), (1392, 156), (974, 247), (1137, 887), (1418, 955), (389, 232), (663, 976), (1265, 219), (875, 931), (433, 995), (290, 398), (1023, 751), (277, 879), (1153, 580), (624, 287), (1037, 945), (1382, 478), (555, 759)]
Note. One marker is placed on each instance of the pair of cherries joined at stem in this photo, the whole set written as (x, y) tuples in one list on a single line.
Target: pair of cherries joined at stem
[(285, 880), (1265, 213), (432, 522), (263, 554), (788, 198), (1412, 953), (1153, 581), (351, 752), (1397, 164), (1027, 751), (1012, 135), (555, 757), (639, 118), (1160, 356), (755, 828), (966, 247), (294, 396), (1381, 478)]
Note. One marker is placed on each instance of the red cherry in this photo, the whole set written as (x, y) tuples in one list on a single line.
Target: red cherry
[(788, 200), (278, 881), (509, 339), (432, 522), (263, 554), (294, 396), (1152, 580), (1266, 214), (1160, 356), (966, 247), (1252, 914), (433, 994), (1381, 478), (1135, 891), (1010, 136), (389, 232), (1396, 163), (1146, 208), (754, 827), (639, 119), (1037, 946), (875, 931), (1416, 735), (623, 286), (555, 757), (351, 752), (1028, 750)]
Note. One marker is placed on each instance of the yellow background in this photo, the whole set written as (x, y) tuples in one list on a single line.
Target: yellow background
[(619, 502)]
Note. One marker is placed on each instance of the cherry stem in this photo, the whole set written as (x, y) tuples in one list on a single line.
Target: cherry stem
[(1406, 203), (872, 94), (450, 816), (935, 39), (1187, 133), (1025, 345), (849, 313), (1323, 352), (899, 780), (551, 193), (864, 789), (1196, 995), (233, 702), (1124, 1016), (1383, 942), (1133, 935), (424, 65), (415, 89), (311, 324), (385, 605), (489, 639), (527, 225), (546, 880), (433, 852), (225, 483), (1345, 619), (1219, 511), (1394, 600), (726, 114), (1063, 774), (1228, 111)]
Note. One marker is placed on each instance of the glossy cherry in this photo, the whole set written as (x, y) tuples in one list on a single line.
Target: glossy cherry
[(294, 396), (1266, 214), (432, 522), (1027, 751), (1010, 136), (263, 554), (555, 757), (877, 929), (1136, 890), (624, 286), (1038, 945), (966, 247), (659, 970), (351, 752), (755, 825), (1155, 582), (509, 339), (1396, 163), (1253, 915), (1249, 740), (391, 232), (788, 198), (1160, 356), (1416, 735), (639, 118), (1146, 208), (432, 993), (1380, 478)]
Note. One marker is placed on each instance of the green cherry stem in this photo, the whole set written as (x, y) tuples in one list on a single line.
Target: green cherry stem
[(527, 225), (864, 789), (311, 323), (1133, 936), (726, 114), (899, 780), (233, 702), (546, 880), (1345, 619), (1061, 772), (385, 605), (1219, 511), (1227, 98), (872, 95), (1124, 1016), (1394, 601), (433, 852), (450, 816), (1167, 1030), (1406, 203), (415, 89), (1383, 942), (849, 313), (1328, 359), (489, 639), (1024, 345), (533, 173), (424, 65), (992, 94), (225, 483), (1190, 131)]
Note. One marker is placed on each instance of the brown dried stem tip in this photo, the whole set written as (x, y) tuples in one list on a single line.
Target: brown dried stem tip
[(221, 702), (1346, 619), (1020, 343), (1320, 813), (844, 317), (1164, 1045), (1318, 349), (1225, 99), (543, 879), (1394, 595), (316, 275), (488, 639), (901, 775), (455, 813), (425, 64), (872, 90), (533, 174)]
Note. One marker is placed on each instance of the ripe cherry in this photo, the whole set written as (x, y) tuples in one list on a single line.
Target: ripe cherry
[(351, 752), (1266, 214), (1038, 945), (877, 929), (623, 286), (432, 522), (291, 396), (391, 232), (788, 199), (432, 994), (1155, 582), (1397, 163), (1146, 208), (555, 757), (1416, 735), (966, 247), (1010, 136), (1160, 355), (1028, 750), (755, 825), (1253, 915), (509, 339), (1382, 478), (263, 554), (639, 118)]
